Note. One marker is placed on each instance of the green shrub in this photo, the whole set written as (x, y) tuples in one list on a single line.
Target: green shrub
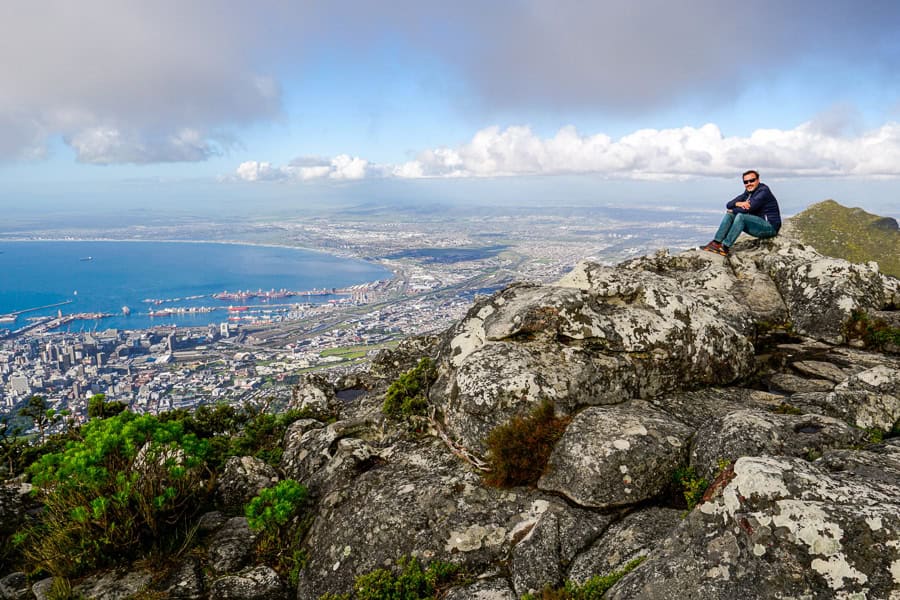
[(593, 589), (277, 513), (99, 408), (518, 451), (408, 582), (124, 486), (874, 333), (274, 507), (787, 409), (691, 485), (407, 396), (237, 432)]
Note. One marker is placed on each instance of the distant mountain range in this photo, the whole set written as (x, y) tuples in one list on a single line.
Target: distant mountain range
[(849, 233)]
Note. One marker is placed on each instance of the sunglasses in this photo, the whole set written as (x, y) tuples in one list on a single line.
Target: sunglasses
[(749, 181)]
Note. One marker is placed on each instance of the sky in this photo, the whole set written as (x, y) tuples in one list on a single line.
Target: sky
[(174, 103)]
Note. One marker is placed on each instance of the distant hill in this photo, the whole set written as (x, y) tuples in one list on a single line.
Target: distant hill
[(849, 233)]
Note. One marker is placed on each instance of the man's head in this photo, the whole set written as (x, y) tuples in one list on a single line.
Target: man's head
[(751, 180)]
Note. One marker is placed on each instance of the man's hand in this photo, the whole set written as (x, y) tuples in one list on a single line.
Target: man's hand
[(744, 205)]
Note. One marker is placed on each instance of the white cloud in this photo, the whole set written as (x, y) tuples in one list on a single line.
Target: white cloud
[(345, 167), (107, 145), (658, 154), (259, 171), (305, 169)]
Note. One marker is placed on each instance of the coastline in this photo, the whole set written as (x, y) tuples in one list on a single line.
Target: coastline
[(374, 272)]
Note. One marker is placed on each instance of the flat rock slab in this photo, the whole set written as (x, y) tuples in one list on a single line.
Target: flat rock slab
[(755, 432), (822, 370), (782, 528), (793, 384), (616, 456)]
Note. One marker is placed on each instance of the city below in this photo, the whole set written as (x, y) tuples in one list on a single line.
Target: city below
[(255, 352)]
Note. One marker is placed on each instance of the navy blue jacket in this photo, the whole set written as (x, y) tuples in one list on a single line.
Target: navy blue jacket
[(762, 204)]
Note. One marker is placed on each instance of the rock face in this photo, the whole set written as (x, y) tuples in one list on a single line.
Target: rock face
[(244, 477), (616, 456), (732, 369), (783, 527)]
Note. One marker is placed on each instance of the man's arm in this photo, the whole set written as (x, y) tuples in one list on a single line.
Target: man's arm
[(738, 204), (759, 200)]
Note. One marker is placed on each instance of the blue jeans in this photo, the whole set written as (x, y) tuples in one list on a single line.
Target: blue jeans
[(734, 224)]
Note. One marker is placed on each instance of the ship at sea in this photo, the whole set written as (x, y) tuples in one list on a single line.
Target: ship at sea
[(86, 258)]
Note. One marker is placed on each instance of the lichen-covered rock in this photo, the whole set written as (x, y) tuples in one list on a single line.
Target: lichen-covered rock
[(870, 399), (780, 528), (113, 585), (556, 536), (231, 547), (600, 336), (616, 455), (820, 292), (634, 536), (421, 501), (259, 582), (15, 587), (491, 589), (501, 380), (389, 363), (697, 407), (314, 452), (821, 370), (755, 432), (787, 382), (314, 395), (184, 581), (242, 479)]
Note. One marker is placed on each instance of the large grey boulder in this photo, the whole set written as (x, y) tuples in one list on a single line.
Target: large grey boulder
[(242, 479), (754, 432), (783, 528), (599, 336), (616, 455), (869, 399), (420, 501), (820, 292)]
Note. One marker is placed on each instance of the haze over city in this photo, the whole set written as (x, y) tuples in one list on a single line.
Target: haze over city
[(205, 106)]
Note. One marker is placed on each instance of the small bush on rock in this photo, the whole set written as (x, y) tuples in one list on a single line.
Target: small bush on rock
[(122, 487), (274, 507), (874, 333), (407, 396), (408, 582), (518, 451), (593, 589), (692, 486), (277, 513)]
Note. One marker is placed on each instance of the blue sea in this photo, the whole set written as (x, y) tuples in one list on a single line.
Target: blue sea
[(107, 276)]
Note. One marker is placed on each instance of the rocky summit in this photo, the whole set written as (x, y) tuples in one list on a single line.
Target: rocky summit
[(743, 380)]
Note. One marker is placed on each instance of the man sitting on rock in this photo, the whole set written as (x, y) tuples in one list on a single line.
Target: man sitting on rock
[(755, 212)]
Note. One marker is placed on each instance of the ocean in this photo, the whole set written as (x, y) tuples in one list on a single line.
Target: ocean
[(89, 277)]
